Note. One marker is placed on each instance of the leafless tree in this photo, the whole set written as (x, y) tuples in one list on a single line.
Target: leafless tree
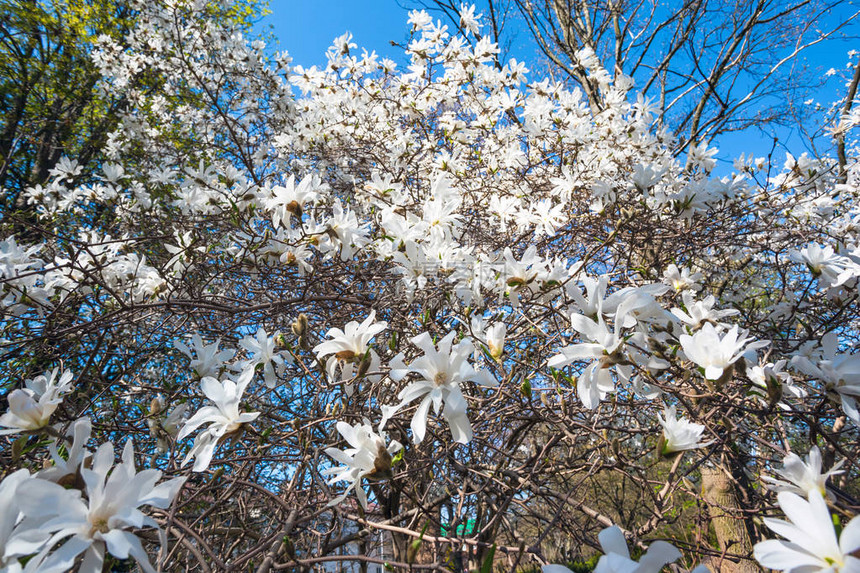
[(710, 66)]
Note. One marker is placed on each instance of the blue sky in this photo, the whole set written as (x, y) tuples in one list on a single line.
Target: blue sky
[(306, 29)]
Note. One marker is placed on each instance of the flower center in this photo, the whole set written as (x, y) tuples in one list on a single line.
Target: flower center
[(99, 525), (440, 379), (345, 355)]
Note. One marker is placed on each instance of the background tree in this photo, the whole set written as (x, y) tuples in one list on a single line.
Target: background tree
[(51, 105)]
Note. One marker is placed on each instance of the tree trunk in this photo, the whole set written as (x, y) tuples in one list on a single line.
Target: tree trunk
[(728, 521)]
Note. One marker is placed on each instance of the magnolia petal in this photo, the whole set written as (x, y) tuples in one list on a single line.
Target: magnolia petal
[(555, 569), (818, 533), (162, 495), (361, 495), (41, 498), (849, 405), (419, 420), (62, 559), (849, 540), (26, 542), (94, 559), (214, 390), (8, 503), (586, 387), (659, 554), (461, 429), (612, 541), (782, 555)]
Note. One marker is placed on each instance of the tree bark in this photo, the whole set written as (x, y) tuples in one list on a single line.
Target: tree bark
[(728, 521)]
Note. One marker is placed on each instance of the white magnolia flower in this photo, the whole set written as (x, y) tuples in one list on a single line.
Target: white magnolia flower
[(223, 418), (810, 543), (30, 408), (164, 428), (681, 279), (100, 523), (644, 176), (262, 350), (496, 339), (680, 434), (344, 232), (209, 360), (545, 217), (596, 380), (616, 557), (66, 169), (840, 373), (773, 382), (420, 19), (803, 476), (604, 346), (700, 311), (831, 269), (702, 156), (442, 370), (468, 20), (714, 353), (492, 337), (17, 259), (15, 540), (592, 302), (367, 456), (518, 276), (290, 199), (77, 454), (348, 347), (627, 305), (182, 252)]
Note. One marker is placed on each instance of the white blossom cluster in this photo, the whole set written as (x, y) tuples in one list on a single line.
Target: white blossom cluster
[(508, 198), (51, 524)]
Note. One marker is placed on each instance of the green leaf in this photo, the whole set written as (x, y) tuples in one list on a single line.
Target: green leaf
[(416, 544), (487, 565), (526, 389), (18, 447)]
